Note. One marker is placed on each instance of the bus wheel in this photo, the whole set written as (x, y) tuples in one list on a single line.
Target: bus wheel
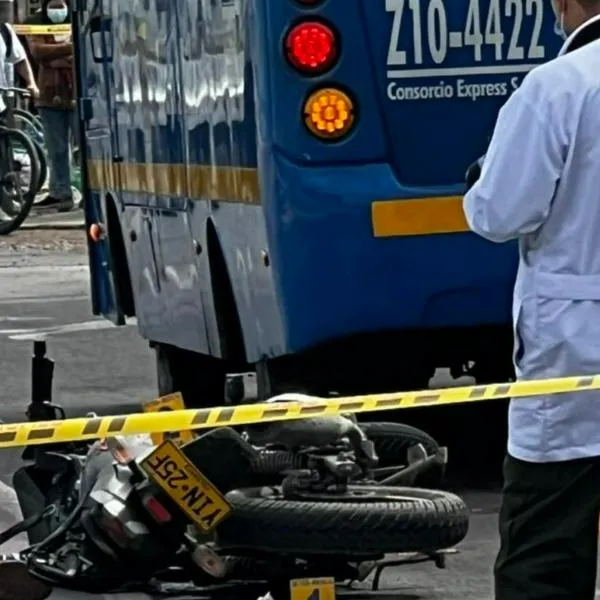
[(199, 378)]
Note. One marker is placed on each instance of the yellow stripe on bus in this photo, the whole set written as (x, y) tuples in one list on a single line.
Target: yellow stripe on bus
[(197, 182), (390, 218), (418, 216)]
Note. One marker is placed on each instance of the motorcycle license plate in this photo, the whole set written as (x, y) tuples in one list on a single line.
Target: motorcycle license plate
[(197, 497)]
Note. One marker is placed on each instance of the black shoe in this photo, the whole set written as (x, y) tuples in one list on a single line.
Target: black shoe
[(58, 204)]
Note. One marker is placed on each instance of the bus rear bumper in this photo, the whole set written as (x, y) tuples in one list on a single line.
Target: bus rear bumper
[(356, 253)]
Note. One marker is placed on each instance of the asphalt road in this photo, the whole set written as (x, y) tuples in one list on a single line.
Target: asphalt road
[(44, 292)]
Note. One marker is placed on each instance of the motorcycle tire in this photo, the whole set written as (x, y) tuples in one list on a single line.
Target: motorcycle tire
[(369, 521), (392, 441)]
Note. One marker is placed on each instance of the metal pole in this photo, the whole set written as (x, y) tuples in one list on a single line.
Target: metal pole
[(7, 11)]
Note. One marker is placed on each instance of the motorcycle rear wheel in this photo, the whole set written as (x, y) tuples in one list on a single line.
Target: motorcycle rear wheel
[(368, 520), (392, 441)]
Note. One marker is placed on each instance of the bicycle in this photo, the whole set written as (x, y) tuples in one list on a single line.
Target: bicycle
[(30, 124), (33, 121), (18, 154)]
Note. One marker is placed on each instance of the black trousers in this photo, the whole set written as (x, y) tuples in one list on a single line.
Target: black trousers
[(548, 530)]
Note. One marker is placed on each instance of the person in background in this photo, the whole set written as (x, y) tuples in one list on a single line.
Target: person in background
[(56, 102), (13, 57), (23, 39), (539, 184)]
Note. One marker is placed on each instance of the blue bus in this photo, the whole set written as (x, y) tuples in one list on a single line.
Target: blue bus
[(275, 185)]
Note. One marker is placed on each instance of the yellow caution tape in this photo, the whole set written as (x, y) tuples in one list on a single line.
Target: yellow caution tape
[(300, 407), (42, 29)]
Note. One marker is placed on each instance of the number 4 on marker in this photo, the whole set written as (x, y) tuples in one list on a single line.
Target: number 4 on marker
[(319, 588)]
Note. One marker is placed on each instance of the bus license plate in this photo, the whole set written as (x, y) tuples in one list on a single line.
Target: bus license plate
[(199, 499)]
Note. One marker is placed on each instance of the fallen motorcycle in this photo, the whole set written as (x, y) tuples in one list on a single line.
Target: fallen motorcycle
[(268, 505)]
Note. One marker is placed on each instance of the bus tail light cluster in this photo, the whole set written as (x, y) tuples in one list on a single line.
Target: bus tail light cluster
[(312, 48)]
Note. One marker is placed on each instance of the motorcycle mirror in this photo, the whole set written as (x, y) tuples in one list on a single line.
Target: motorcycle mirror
[(16, 583)]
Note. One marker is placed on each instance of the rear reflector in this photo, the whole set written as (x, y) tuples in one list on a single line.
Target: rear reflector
[(157, 510)]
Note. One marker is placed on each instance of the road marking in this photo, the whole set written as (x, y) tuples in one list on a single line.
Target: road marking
[(27, 319), (13, 331), (41, 281), (42, 300), (37, 269), (42, 332)]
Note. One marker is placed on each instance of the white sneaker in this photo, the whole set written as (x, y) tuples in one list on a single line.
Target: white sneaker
[(77, 197)]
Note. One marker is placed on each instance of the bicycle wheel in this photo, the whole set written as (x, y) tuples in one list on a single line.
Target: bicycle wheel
[(19, 177), (26, 122), (43, 164), (20, 154), (35, 120), (23, 122)]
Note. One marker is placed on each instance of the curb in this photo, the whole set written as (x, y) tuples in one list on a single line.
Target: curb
[(53, 225)]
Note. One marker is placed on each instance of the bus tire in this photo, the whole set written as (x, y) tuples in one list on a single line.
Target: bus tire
[(401, 520), (199, 378)]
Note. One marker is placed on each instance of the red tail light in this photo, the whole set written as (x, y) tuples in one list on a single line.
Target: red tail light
[(157, 510), (311, 47)]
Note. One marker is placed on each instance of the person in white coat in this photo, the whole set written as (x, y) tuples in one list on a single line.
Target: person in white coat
[(540, 184)]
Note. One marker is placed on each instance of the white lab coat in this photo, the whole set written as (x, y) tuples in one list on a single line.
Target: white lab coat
[(540, 184)]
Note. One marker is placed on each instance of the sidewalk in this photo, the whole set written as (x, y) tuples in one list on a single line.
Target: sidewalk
[(54, 220), (51, 219)]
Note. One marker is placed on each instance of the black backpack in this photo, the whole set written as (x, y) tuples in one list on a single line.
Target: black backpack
[(7, 37), (8, 41)]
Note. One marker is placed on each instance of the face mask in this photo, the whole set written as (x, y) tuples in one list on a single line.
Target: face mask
[(57, 15), (559, 23), (559, 26)]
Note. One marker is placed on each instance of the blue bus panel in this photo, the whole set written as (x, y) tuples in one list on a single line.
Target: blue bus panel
[(197, 123)]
